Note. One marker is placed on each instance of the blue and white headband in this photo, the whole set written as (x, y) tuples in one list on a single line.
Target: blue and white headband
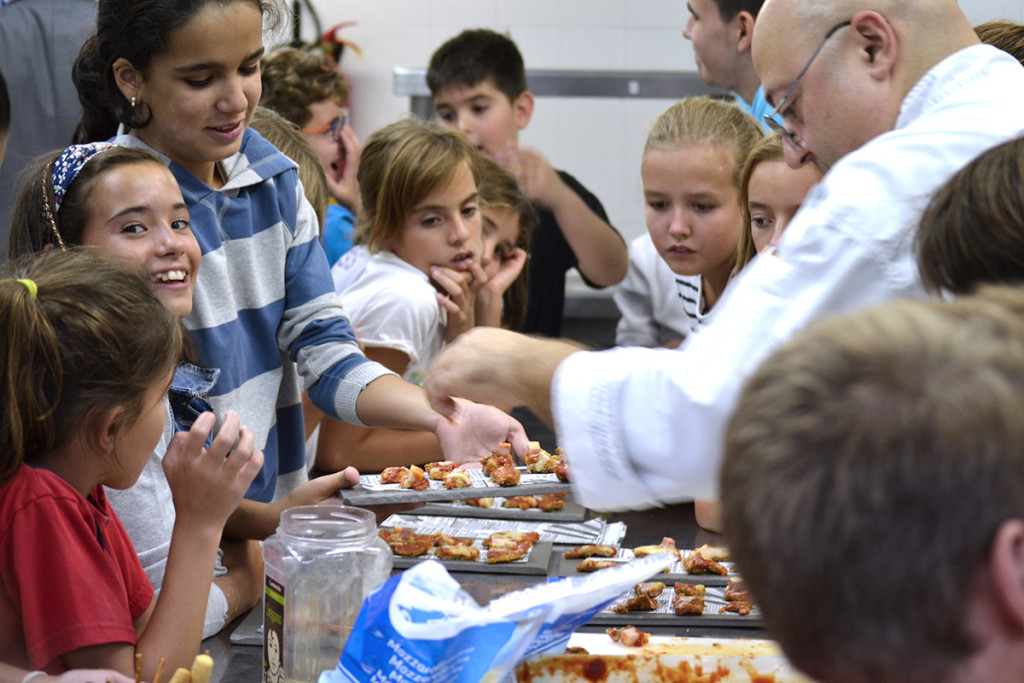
[(64, 170)]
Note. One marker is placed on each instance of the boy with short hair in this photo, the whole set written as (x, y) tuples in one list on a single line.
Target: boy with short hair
[(478, 82), (873, 492), (721, 32)]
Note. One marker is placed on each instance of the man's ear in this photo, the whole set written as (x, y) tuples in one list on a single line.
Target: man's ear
[(744, 22), (1007, 571), (878, 43), (127, 77), (522, 108)]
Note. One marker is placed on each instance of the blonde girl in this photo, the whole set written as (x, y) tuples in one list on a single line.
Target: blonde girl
[(85, 365), (691, 174), (771, 193), (421, 225)]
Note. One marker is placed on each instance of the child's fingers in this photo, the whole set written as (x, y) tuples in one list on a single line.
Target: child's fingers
[(444, 277), (447, 304), (226, 436), (192, 442)]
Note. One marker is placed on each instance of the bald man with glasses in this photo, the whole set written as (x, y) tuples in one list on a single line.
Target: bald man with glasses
[(893, 97)]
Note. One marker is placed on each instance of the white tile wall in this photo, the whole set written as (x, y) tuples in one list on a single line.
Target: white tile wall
[(597, 140)]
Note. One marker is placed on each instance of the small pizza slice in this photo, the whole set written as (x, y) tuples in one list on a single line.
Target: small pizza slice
[(549, 502), (683, 588), (458, 479), (467, 553), (479, 502), (651, 588), (562, 470), (688, 604), (437, 470), (506, 538), (508, 552), (593, 564), (716, 553), (393, 475), (497, 458), (506, 475), (416, 479), (667, 546), (638, 603), (407, 542), (582, 551), (521, 502), (740, 607), (445, 539), (630, 636), (736, 590), (695, 563)]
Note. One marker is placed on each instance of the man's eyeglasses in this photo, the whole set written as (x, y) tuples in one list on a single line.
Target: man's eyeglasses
[(769, 119), (334, 127)]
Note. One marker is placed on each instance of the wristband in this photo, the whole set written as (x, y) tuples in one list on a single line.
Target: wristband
[(32, 675)]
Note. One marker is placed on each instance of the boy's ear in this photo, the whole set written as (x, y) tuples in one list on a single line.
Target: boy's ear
[(744, 31), (1007, 571), (522, 107), (127, 77)]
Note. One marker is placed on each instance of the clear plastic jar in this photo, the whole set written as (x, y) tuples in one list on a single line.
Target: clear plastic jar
[(320, 564)]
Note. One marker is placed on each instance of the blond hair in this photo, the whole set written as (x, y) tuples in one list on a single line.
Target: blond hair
[(401, 165)]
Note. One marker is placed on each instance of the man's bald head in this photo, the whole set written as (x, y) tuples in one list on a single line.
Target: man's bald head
[(853, 90)]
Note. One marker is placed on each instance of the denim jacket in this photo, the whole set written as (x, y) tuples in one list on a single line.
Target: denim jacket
[(188, 394)]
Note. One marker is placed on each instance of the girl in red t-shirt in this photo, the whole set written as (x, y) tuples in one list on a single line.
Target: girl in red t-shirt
[(87, 357)]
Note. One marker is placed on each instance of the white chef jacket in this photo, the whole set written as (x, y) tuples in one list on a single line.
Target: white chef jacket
[(643, 427)]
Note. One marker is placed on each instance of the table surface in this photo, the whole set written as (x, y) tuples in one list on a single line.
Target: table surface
[(244, 663)]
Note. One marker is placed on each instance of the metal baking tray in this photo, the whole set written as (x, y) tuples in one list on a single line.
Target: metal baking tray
[(564, 567), (536, 562), (369, 490), (572, 512)]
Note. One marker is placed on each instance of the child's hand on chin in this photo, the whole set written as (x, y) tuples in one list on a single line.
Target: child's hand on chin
[(208, 484), (457, 290)]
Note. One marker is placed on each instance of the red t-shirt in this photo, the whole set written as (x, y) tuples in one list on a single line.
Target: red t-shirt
[(69, 576)]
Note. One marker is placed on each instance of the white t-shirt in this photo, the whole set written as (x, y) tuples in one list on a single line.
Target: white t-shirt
[(657, 306), (392, 305), (645, 427)]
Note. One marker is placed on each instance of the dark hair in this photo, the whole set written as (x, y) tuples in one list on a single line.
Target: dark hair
[(868, 464), (474, 56), (727, 9), (972, 230), (498, 188), (30, 229), (139, 31), (93, 336), (294, 79), (1004, 34), (5, 106)]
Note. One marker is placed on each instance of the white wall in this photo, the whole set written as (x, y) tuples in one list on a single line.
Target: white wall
[(597, 140)]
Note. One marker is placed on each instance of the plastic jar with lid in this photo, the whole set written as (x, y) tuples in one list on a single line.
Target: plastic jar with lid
[(319, 565)]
